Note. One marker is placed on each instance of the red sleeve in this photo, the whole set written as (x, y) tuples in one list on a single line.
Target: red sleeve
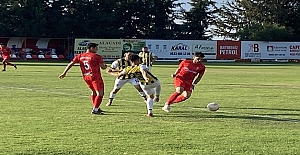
[(202, 70), (181, 64), (100, 60), (76, 58)]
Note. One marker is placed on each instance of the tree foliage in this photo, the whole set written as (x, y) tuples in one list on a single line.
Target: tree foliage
[(154, 19), (245, 19)]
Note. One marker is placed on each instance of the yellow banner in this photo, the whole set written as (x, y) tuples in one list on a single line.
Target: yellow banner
[(107, 48)]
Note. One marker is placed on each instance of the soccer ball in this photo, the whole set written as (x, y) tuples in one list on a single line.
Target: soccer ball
[(212, 106)]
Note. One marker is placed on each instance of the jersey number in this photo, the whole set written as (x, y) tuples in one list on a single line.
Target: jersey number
[(86, 65)]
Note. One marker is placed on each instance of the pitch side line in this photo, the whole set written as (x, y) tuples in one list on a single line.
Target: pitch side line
[(202, 109)]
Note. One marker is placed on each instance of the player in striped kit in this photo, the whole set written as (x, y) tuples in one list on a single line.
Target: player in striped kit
[(120, 81), (148, 82), (147, 57)]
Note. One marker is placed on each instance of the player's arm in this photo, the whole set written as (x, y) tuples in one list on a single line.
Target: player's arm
[(197, 79), (143, 69), (103, 66), (116, 73), (154, 57), (114, 66), (178, 69), (69, 66)]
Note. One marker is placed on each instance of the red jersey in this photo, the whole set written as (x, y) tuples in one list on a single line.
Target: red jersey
[(189, 70), (6, 51), (89, 63)]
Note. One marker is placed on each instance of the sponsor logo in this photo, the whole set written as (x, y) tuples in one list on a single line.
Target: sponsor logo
[(84, 42), (228, 50), (180, 47), (253, 48), (253, 55), (294, 48), (205, 48), (277, 48), (188, 70)]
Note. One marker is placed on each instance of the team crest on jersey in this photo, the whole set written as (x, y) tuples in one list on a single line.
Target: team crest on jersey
[(197, 68)]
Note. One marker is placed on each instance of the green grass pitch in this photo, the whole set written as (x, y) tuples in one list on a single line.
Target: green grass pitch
[(259, 113)]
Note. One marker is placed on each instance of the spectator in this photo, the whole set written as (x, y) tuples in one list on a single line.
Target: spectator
[(14, 50), (35, 50)]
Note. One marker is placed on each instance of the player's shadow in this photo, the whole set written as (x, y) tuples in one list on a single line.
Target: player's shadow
[(254, 117), (225, 115), (276, 109)]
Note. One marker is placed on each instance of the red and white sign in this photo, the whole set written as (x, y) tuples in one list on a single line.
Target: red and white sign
[(228, 49)]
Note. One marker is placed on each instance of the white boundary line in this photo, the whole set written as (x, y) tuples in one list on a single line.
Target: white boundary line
[(202, 109)]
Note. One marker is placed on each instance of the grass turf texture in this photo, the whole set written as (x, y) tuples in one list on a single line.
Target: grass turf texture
[(259, 113)]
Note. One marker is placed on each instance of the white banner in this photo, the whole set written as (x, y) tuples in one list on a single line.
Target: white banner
[(207, 47), (294, 49), (265, 50), (170, 49)]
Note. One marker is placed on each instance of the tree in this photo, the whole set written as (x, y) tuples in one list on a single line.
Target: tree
[(268, 32), (236, 16), (197, 20)]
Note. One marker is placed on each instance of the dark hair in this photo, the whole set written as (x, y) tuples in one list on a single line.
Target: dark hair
[(199, 54), (134, 57), (90, 45)]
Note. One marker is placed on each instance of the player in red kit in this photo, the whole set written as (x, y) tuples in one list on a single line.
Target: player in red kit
[(6, 52), (188, 74), (90, 64)]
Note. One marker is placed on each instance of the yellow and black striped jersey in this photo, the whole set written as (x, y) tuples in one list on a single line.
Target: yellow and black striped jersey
[(120, 64), (147, 58), (135, 72)]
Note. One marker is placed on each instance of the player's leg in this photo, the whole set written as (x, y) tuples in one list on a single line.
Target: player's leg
[(185, 95), (157, 90), (4, 64), (98, 86), (149, 91), (179, 88), (137, 86), (118, 85), (89, 83)]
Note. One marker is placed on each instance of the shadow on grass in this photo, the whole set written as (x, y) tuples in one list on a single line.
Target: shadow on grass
[(255, 117), (276, 109), (233, 115)]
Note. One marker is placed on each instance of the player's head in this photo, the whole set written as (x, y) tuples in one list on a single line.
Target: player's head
[(198, 57), (127, 47), (135, 59), (127, 55), (92, 47), (144, 49)]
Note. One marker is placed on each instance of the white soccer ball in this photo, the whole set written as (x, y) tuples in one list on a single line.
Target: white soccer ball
[(212, 106)]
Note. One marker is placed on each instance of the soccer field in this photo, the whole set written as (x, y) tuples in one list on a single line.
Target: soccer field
[(259, 113)]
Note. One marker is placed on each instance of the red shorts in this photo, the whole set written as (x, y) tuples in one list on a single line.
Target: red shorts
[(6, 57), (94, 83), (187, 86)]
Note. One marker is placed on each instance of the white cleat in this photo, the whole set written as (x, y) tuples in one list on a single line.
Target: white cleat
[(166, 108)]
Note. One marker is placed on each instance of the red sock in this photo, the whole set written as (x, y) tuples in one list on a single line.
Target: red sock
[(179, 99), (173, 97), (98, 101), (93, 97)]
